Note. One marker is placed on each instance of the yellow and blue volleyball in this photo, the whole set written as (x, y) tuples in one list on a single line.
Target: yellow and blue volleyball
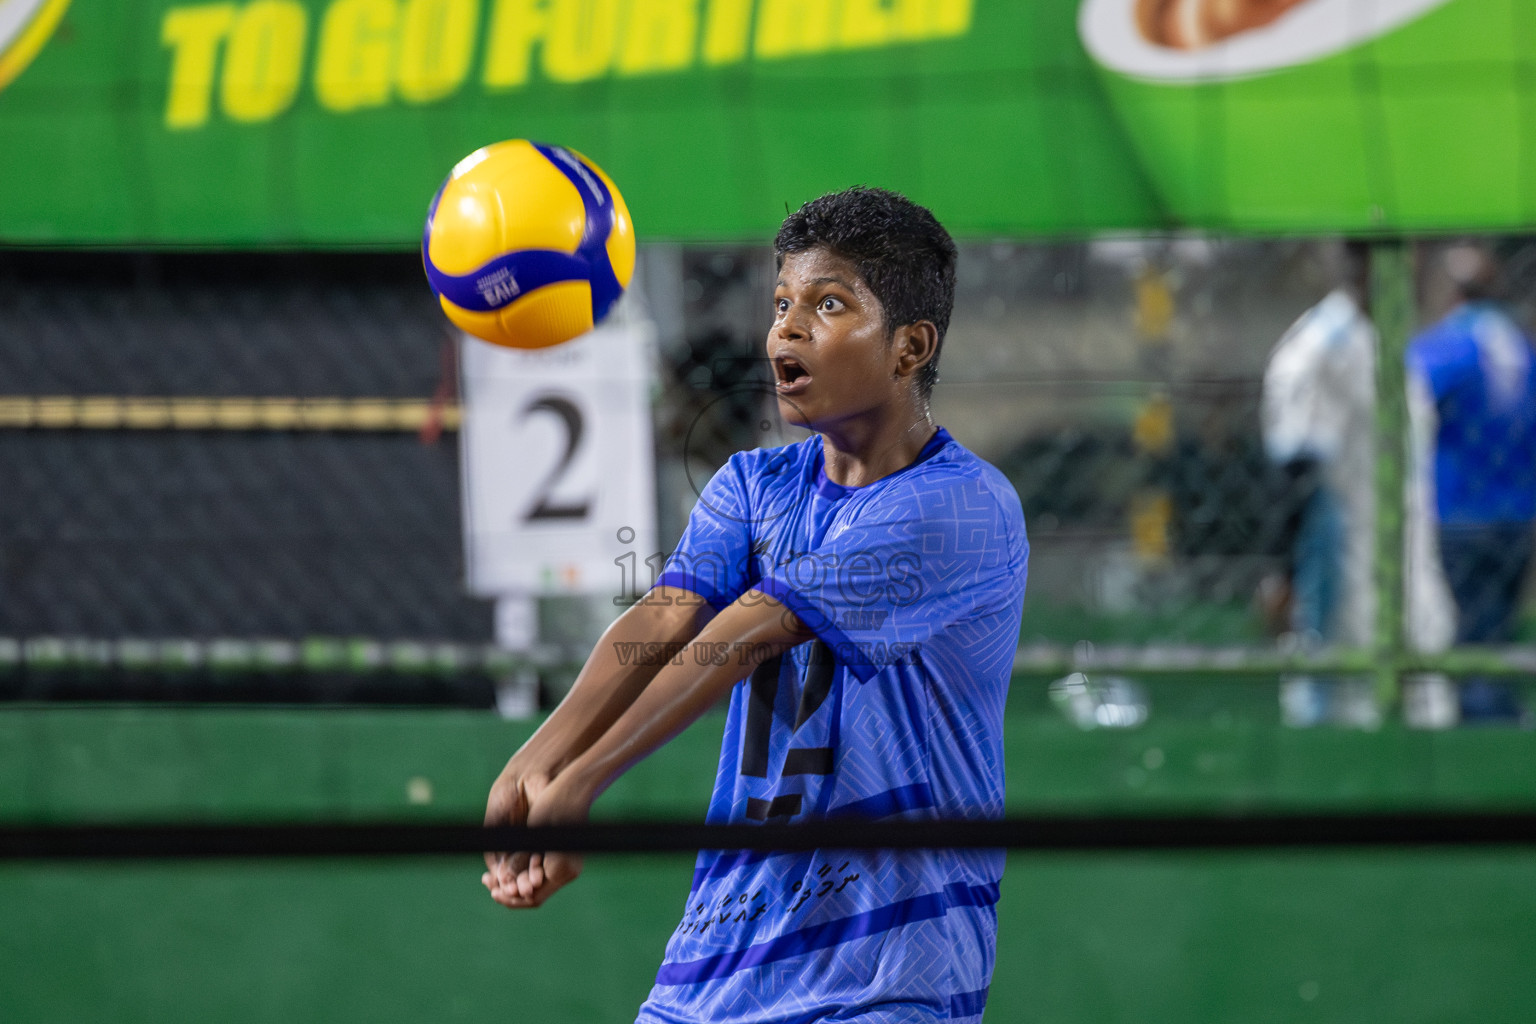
[(527, 244)]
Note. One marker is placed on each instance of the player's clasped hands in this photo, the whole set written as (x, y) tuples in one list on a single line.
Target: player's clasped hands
[(525, 879)]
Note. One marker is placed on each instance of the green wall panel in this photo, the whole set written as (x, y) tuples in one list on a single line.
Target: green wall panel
[(1397, 935), (126, 123)]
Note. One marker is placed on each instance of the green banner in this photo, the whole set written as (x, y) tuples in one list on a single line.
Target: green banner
[(331, 122)]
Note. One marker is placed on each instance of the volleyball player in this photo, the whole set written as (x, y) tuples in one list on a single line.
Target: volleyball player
[(858, 596)]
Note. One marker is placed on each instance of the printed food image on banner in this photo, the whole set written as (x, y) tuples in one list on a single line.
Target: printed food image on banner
[(1192, 24), (1298, 115), (25, 26)]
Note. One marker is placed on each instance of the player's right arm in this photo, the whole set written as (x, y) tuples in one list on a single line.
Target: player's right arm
[(621, 665), (705, 574), (746, 633)]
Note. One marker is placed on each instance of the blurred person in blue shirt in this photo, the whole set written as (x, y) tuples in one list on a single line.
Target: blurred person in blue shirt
[(1471, 379)]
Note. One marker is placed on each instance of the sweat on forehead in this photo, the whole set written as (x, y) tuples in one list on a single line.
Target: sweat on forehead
[(820, 265)]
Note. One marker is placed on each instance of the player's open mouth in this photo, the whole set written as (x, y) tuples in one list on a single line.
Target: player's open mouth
[(790, 376)]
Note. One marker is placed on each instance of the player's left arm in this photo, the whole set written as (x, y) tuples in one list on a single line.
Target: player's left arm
[(746, 633)]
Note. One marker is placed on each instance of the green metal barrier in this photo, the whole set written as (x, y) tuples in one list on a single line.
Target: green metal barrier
[(1392, 310), (1405, 936)]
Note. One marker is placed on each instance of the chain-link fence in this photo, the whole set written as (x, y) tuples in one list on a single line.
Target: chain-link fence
[(235, 474), (172, 523)]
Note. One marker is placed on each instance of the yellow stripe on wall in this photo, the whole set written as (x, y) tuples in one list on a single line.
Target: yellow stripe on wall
[(108, 412)]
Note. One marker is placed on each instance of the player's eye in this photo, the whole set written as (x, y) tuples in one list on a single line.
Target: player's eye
[(831, 304), (781, 306)]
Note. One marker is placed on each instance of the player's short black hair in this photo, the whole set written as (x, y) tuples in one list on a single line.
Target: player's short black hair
[(902, 252)]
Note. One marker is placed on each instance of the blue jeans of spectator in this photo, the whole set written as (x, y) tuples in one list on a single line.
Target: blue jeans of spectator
[(1317, 577), (1317, 587), (1485, 566)]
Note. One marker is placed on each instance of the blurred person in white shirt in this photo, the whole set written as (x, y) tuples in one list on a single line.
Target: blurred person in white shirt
[(1318, 422)]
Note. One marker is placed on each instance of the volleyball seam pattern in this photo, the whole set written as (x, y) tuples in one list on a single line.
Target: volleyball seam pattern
[(499, 282)]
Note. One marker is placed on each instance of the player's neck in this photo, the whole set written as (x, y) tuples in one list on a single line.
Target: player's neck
[(862, 450)]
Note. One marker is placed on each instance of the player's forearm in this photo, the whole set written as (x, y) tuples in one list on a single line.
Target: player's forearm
[(622, 664), (749, 632)]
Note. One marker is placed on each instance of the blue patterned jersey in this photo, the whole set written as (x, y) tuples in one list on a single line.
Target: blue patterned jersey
[(913, 586)]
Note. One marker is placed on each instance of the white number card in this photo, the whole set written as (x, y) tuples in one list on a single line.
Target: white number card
[(558, 467)]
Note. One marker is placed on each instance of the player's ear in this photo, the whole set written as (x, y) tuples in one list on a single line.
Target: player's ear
[(916, 346)]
